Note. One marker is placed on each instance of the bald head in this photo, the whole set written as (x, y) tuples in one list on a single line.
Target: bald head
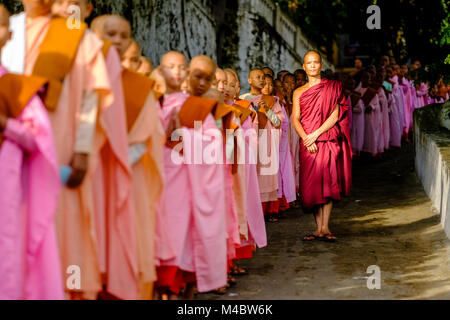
[(202, 74), (131, 59), (221, 80), (146, 67), (257, 80), (117, 29), (174, 70), (98, 25)]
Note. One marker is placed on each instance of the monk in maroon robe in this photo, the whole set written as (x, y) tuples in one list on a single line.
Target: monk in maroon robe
[(320, 117)]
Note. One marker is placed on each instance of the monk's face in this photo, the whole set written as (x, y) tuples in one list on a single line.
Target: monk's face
[(389, 72), (289, 84), (118, 31), (131, 59), (358, 64), (230, 89), (61, 8), (201, 76), (146, 68), (221, 80), (257, 79), (174, 70), (37, 8), (268, 88), (5, 34), (313, 65)]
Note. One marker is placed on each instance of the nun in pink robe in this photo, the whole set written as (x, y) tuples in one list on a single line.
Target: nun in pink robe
[(395, 127), (397, 90), (29, 179), (255, 216), (194, 206), (422, 95), (385, 125), (358, 127), (371, 124), (286, 181)]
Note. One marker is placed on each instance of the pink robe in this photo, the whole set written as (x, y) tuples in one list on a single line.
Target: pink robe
[(29, 179), (371, 124), (408, 105), (384, 117), (358, 127), (327, 174), (255, 215), (295, 151), (395, 139), (422, 95), (397, 91), (286, 179), (194, 205)]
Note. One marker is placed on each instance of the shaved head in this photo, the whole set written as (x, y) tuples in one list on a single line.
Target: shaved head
[(172, 55), (98, 25), (117, 29), (174, 69), (198, 60), (131, 59), (202, 75), (313, 52)]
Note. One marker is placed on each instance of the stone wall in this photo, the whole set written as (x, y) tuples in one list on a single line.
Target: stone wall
[(432, 145)]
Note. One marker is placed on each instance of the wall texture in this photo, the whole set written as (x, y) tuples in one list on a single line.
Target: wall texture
[(432, 144), (242, 34)]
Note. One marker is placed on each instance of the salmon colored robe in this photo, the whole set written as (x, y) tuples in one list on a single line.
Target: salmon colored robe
[(75, 218), (358, 126), (147, 187), (194, 206), (268, 183), (30, 267), (371, 124)]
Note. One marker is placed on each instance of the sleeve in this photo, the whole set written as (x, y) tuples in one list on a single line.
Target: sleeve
[(87, 122), (20, 134)]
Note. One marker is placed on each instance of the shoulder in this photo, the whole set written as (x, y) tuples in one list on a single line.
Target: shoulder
[(300, 91)]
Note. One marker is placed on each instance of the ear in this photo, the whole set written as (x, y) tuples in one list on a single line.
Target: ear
[(89, 9), (10, 35)]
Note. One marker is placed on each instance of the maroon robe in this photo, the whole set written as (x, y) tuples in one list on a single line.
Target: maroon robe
[(327, 174)]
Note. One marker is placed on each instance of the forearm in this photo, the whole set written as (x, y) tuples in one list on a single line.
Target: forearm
[(87, 122), (330, 122), (299, 128)]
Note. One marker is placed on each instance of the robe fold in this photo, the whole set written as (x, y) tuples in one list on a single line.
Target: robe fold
[(30, 267), (327, 174), (286, 179)]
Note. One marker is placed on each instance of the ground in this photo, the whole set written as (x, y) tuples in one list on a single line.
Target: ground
[(387, 221)]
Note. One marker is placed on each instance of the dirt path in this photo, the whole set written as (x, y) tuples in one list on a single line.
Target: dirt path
[(387, 221)]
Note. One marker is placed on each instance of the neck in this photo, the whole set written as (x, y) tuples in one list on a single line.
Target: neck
[(313, 80), (255, 91)]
